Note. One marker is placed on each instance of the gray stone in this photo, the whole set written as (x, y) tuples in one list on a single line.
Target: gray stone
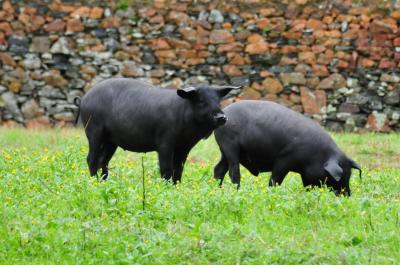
[(51, 93), (352, 82), (215, 16), (344, 26), (63, 46), (3, 89), (392, 97), (9, 101), (18, 45), (349, 108), (31, 61), (73, 94), (31, 109), (40, 44), (390, 78), (203, 15), (292, 79), (65, 116)]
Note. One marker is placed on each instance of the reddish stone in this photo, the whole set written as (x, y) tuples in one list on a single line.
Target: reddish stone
[(194, 61), (395, 14), (147, 12), (307, 57), (230, 47), (96, 12), (237, 59), (226, 25), (188, 33), (157, 73), (232, 70), (263, 23), (166, 54), (3, 40), (327, 20), (111, 22), (288, 49), (314, 24), (365, 62), (204, 54), (10, 124), (159, 19), (378, 122), (265, 73), (320, 70), (296, 99), (298, 25), (334, 81), (342, 64), (178, 17), (325, 58), (55, 26), (6, 28), (221, 36), (75, 25), (83, 11), (202, 35), (54, 78), (313, 102), (267, 12), (272, 85), (160, 44), (333, 34), (179, 44), (288, 61), (7, 59), (386, 63), (387, 25), (396, 42), (187, 54), (257, 48), (250, 93), (8, 7), (292, 35)]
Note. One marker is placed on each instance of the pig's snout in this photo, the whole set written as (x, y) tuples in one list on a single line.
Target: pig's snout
[(220, 119)]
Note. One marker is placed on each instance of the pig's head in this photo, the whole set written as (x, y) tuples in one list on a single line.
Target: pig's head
[(339, 171), (204, 101)]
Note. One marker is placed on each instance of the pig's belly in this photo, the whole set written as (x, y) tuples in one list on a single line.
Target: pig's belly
[(136, 143), (256, 161)]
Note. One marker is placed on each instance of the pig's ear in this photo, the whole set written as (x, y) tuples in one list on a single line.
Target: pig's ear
[(224, 90), (187, 92), (333, 169)]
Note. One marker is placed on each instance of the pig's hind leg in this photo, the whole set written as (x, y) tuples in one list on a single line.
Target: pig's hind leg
[(221, 168), (108, 151), (279, 172)]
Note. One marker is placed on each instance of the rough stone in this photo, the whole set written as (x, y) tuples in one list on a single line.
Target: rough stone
[(63, 46), (334, 81), (293, 79), (313, 102), (131, 69), (40, 44), (42, 122), (9, 101), (30, 109), (272, 85), (378, 122), (215, 16), (221, 36)]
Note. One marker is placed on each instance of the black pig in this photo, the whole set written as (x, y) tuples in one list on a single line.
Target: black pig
[(139, 117), (264, 136)]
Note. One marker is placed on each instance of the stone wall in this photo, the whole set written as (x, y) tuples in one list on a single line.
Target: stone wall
[(338, 63)]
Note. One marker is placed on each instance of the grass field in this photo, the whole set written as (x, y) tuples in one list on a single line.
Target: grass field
[(52, 212)]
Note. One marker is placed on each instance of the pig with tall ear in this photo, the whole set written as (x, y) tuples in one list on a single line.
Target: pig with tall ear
[(264, 136), (140, 117), (204, 101)]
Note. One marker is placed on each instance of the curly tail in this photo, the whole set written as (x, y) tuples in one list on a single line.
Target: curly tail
[(77, 102)]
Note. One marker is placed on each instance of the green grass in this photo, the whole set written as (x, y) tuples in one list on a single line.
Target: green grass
[(52, 212)]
